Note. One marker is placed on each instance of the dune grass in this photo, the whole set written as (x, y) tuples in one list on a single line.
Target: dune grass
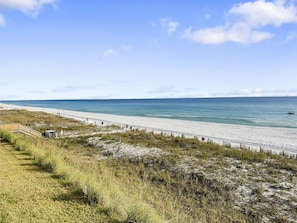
[(200, 193), (99, 189), (30, 194)]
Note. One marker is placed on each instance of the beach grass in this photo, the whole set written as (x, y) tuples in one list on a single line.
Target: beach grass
[(188, 181), (99, 189), (30, 194)]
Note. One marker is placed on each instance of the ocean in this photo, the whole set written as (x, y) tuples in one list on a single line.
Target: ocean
[(254, 111)]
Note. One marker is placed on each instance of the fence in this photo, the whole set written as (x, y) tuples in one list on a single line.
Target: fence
[(15, 127), (220, 141)]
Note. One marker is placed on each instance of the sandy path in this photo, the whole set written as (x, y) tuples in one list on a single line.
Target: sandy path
[(268, 138), (29, 194)]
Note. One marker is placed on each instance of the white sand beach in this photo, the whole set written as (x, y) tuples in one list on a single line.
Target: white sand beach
[(253, 137)]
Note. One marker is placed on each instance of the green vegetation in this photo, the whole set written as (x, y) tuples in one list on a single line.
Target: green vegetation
[(140, 176)]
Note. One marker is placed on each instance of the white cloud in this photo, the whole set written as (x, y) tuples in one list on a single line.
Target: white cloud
[(248, 92), (109, 53), (31, 7), (170, 26), (221, 34), (244, 92), (261, 13), (2, 20), (280, 92), (258, 92), (246, 21)]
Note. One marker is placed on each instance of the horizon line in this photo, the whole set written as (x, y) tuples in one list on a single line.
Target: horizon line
[(161, 98)]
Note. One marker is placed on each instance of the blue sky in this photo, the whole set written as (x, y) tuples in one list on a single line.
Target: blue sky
[(82, 49)]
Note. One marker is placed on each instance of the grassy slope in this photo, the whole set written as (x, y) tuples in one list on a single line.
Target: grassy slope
[(30, 194)]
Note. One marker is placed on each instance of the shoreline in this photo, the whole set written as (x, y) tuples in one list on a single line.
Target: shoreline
[(253, 137)]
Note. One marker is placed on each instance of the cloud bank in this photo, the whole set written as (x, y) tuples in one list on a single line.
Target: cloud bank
[(258, 92), (246, 21)]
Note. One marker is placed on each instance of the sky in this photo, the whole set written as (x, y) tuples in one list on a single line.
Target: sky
[(115, 49)]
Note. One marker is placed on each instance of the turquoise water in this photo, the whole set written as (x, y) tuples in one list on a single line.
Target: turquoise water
[(256, 111)]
